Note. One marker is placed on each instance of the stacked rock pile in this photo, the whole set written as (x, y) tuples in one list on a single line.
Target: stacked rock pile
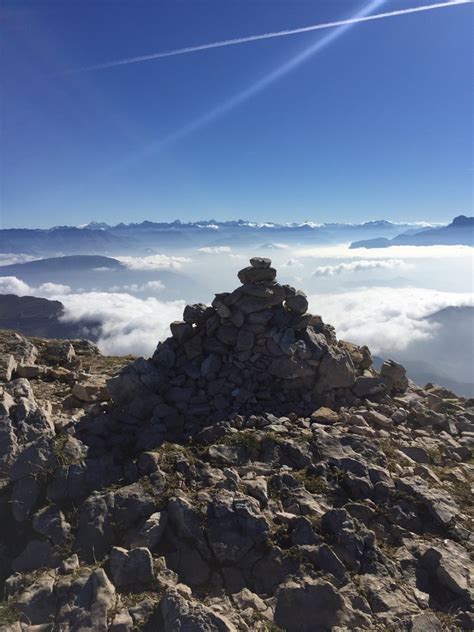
[(254, 350)]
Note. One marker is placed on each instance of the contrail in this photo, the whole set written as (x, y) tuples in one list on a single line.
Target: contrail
[(264, 36)]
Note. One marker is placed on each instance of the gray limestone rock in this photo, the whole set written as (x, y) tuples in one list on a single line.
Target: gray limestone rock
[(394, 375), (256, 275), (180, 613), (193, 313), (8, 365), (310, 605), (131, 568), (260, 262), (298, 303)]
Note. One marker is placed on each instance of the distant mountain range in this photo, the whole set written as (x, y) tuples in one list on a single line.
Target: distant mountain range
[(459, 232), (34, 316), (100, 238)]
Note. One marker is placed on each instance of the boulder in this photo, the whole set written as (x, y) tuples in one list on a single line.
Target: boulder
[(260, 262), (394, 375), (37, 602), (310, 605), (8, 365), (324, 415), (131, 568), (193, 313), (298, 303), (256, 275), (58, 352), (184, 613)]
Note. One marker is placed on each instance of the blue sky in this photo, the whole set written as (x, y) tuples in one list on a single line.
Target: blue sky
[(376, 124)]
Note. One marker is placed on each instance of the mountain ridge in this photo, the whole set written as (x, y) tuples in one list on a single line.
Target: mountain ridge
[(100, 238), (256, 473), (459, 232)]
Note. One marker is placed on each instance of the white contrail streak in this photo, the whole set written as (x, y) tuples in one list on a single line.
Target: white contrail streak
[(264, 36)]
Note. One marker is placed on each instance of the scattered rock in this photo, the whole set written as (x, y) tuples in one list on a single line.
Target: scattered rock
[(7, 367), (324, 415), (131, 568), (255, 473), (310, 605)]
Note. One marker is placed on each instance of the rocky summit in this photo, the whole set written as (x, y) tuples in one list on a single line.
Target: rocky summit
[(254, 350), (255, 474)]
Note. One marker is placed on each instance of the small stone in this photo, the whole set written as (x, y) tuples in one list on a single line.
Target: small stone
[(193, 313), (289, 368), (7, 367), (369, 386), (395, 375), (181, 330), (30, 371), (426, 622), (256, 275), (69, 565), (260, 262), (36, 554), (149, 535), (297, 303), (90, 391), (245, 340), (324, 415), (59, 352), (131, 568)]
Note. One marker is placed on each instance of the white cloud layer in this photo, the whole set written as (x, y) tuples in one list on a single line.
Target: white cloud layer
[(130, 325), (12, 285), (154, 262), (359, 266), (293, 263), (50, 289), (400, 252), (384, 318), (8, 259), (153, 286)]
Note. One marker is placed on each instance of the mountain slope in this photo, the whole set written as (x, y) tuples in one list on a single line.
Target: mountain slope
[(68, 264), (256, 474), (34, 316), (459, 232)]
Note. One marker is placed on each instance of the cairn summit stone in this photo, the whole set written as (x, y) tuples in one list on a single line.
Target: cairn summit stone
[(256, 275), (254, 350), (260, 262)]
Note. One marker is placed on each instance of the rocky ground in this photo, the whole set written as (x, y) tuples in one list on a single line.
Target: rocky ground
[(255, 474)]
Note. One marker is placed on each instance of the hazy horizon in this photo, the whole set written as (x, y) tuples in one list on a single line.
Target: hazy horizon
[(398, 221)]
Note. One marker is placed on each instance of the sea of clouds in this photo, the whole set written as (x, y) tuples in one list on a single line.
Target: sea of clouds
[(360, 292)]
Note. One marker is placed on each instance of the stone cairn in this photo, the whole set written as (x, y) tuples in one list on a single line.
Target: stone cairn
[(254, 350)]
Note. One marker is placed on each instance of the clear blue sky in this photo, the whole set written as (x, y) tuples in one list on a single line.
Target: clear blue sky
[(377, 124)]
